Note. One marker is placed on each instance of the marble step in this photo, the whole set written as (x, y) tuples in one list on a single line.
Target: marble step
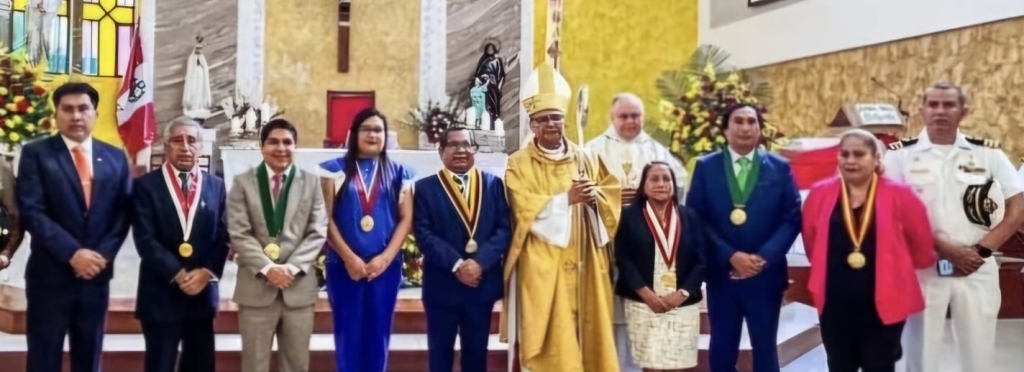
[(798, 334)]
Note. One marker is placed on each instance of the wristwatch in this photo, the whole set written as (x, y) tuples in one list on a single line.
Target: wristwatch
[(982, 251)]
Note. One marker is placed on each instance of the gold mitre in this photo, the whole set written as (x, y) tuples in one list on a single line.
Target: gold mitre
[(546, 89)]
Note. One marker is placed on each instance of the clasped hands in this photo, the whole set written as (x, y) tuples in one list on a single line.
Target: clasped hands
[(87, 263), (280, 277), (358, 269), (662, 304), (745, 265), (582, 192), (193, 281), (965, 259), (469, 273)]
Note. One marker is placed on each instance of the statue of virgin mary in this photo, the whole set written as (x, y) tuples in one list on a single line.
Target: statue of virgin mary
[(40, 15), (493, 67)]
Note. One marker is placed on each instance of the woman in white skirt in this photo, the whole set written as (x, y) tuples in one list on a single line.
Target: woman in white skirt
[(660, 274)]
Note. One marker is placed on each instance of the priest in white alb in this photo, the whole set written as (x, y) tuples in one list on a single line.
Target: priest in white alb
[(626, 148)]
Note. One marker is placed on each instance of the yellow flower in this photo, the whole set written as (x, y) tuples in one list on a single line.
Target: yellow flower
[(30, 110), (3, 112), (666, 107), (720, 140), (691, 95), (709, 69), (19, 99), (8, 123), (11, 107), (675, 146), (734, 78), (700, 119), (17, 119), (30, 127), (14, 137), (2, 133), (667, 125), (684, 133), (3, 91)]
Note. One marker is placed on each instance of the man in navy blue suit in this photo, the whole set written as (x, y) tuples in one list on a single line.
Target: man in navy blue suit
[(462, 227), (74, 196), (181, 234), (752, 208)]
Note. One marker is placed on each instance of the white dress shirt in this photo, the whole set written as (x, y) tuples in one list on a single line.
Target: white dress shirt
[(86, 149)]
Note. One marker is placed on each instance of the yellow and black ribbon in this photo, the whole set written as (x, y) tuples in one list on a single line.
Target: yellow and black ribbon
[(469, 210)]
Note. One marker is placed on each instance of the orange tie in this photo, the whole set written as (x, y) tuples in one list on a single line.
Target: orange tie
[(82, 166)]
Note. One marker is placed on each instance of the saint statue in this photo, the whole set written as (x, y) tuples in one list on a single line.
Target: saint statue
[(39, 28), (478, 95), (491, 70)]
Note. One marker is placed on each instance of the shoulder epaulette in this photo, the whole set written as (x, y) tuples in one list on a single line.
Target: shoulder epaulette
[(901, 143), (990, 143)]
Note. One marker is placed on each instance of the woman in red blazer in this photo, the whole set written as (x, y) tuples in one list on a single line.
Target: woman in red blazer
[(865, 235)]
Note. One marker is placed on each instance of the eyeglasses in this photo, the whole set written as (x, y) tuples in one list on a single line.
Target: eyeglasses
[(627, 116), (182, 141), (463, 146), (371, 129), (550, 118)]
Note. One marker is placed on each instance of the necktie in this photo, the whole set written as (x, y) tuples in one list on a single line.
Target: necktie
[(741, 178), (184, 183), (277, 186), (82, 167), (462, 185)]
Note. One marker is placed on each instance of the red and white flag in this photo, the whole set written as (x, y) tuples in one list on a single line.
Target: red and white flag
[(136, 122)]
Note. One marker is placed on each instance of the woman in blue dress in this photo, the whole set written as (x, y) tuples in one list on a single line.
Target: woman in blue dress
[(369, 200)]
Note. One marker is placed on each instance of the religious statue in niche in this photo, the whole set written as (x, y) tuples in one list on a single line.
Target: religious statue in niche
[(478, 95), (40, 17), (490, 70)]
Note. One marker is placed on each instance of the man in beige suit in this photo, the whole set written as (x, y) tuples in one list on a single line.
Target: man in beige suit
[(278, 224)]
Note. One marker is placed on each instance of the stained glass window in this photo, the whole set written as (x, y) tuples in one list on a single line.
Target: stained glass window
[(58, 43), (105, 31), (106, 47)]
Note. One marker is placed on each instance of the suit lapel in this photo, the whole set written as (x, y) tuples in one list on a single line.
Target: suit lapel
[(201, 208), (101, 172), (68, 166)]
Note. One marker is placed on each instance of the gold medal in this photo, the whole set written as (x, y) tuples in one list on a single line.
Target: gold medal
[(273, 251), (669, 280), (738, 216), (856, 260), (185, 250), (366, 223), (471, 246)]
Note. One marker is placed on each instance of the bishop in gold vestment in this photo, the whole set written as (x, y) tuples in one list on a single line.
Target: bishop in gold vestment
[(558, 272)]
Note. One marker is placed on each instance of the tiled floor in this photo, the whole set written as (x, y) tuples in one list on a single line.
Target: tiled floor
[(1009, 358)]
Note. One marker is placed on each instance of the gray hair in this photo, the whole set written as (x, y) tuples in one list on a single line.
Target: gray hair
[(869, 139), (627, 96), (184, 123), (946, 86)]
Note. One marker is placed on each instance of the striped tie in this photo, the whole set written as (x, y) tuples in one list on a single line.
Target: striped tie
[(462, 185)]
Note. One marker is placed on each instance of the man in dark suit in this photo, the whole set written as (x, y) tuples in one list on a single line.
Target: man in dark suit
[(74, 195), (181, 234), (752, 228), (462, 227)]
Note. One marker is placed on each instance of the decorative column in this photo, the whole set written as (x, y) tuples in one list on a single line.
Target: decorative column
[(249, 63), (433, 50)]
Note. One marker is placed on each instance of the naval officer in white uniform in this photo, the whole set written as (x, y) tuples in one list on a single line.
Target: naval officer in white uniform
[(974, 202)]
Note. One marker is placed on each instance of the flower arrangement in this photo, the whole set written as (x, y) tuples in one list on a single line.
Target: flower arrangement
[(412, 263), (693, 98), (435, 118), (25, 108)]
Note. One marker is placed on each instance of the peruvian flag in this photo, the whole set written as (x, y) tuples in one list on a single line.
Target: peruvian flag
[(136, 122)]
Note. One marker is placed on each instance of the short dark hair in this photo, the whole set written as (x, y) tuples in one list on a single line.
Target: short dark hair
[(443, 138), (278, 123), (76, 88), (641, 196), (946, 86), (726, 115)]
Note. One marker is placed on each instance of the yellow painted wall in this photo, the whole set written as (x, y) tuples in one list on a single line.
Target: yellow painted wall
[(106, 120), (301, 60), (614, 46)]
